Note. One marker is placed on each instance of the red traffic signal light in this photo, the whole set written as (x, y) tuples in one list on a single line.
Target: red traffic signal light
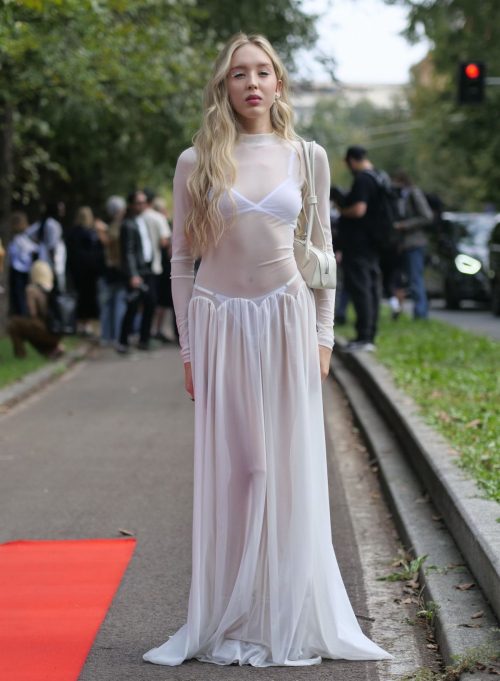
[(472, 71), (471, 82)]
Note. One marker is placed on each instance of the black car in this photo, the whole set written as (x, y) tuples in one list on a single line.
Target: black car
[(495, 269), (457, 257)]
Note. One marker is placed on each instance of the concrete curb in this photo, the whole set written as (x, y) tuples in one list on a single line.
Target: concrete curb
[(470, 518), (420, 531), (12, 394)]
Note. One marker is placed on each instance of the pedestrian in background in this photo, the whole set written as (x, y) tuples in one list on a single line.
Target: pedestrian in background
[(360, 259), (418, 215), (22, 251), (160, 234), (34, 328), (137, 257), (112, 285), (85, 265), (48, 234)]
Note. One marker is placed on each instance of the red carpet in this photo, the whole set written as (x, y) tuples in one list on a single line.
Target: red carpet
[(54, 596)]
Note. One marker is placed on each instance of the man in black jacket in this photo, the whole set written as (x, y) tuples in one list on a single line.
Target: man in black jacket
[(137, 254), (360, 260)]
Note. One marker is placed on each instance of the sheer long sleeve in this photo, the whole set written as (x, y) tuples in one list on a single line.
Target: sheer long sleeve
[(182, 261), (324, 298)]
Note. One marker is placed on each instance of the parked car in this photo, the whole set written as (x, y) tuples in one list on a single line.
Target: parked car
[(495, 269), (457, 260)]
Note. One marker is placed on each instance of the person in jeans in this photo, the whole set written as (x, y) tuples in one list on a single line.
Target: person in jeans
[(112, 285), (137, 256), (359, 258), (418, 215), (33, 328)]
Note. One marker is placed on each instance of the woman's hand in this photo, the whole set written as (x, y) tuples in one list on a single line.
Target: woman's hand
[(189, 379), (324, 361)]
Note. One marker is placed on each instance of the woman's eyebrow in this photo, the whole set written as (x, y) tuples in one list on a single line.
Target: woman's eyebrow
[(244, 66)]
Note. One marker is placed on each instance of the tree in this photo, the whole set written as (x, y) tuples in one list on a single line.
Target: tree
[(96, 95), (458, 148)]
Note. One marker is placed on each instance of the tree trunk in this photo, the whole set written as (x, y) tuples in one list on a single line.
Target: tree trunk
[(6, 180)]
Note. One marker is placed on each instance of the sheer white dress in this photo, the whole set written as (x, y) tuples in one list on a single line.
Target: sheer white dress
[(265, 587)]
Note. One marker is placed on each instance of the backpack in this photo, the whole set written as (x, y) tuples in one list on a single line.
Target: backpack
[(63, 313), (384, 234)]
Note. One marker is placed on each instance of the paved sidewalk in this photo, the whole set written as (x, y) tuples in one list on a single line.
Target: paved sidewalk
[(109, 446)]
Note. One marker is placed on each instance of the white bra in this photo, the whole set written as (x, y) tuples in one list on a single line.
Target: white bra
[(283, 203)]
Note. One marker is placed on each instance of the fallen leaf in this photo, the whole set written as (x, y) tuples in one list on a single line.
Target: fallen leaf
[(471, 625), (375, 496), (375, 469), (480, 666), (477, 615), (452, 566), (397, 600), (493, 671), (432, 646), (454, 452), (423, 500), (443, 416), (130, 534), (464, 587), (473, 424), (397, 563), (407, 601), (437, 517), (414, 584)]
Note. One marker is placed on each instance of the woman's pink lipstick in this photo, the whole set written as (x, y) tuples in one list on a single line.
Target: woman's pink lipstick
[(254, 100)]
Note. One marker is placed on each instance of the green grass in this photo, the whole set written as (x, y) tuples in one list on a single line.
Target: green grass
[(454, 376), (12, 369)]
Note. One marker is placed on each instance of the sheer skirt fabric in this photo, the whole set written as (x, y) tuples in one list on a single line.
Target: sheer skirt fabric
[(266, 589)]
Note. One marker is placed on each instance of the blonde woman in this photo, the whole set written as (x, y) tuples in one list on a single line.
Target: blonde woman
[(256, 343), (33, 328)]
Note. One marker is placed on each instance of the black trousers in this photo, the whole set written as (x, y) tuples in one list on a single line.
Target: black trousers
[(17, 283), (147, 299), (362, 281)]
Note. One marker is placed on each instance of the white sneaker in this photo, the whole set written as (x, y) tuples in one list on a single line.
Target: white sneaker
[(359, 346)]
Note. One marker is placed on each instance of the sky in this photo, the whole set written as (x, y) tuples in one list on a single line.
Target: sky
[(363, 38)]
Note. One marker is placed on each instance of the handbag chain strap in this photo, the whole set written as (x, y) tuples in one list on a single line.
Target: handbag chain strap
[(312, 200)]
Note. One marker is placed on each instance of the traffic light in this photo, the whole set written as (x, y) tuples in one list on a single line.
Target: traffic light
[(471, 82)]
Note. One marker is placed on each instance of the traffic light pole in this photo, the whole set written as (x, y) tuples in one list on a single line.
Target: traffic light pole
[(492, 81)]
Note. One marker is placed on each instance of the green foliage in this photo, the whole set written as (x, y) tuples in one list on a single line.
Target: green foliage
[(429, 612), (107, 93), (336, 126), (454, 377), (410, 568), (457, 151)]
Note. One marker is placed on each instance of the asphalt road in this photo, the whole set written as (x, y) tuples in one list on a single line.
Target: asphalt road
[(109, 445), (471, 317)]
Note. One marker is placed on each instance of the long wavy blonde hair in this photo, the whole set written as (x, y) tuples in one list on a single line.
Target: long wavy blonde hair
[(215, 167)]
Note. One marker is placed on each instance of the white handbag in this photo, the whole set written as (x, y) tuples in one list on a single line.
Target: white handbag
[(317, 267)]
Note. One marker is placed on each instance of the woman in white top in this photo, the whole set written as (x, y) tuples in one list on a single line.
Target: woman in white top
[(256, 343)]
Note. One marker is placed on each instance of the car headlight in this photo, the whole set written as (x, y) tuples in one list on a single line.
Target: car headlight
[(466, 264)]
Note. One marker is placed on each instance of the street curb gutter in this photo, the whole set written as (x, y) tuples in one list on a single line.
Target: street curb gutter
[(420, 531), (17, 391), (470, 518)]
